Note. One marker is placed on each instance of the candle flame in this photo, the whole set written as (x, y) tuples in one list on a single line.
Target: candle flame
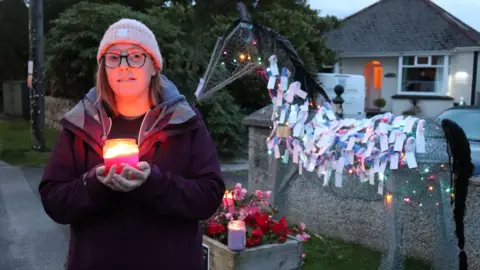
[(116, 148), (389, 198), (236, 225), (228, 195)]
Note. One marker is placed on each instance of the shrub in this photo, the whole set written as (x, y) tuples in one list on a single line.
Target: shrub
[(223, 118), (380, 103)]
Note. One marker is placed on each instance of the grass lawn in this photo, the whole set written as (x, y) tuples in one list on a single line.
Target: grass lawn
[(16, 143), (334, 254)]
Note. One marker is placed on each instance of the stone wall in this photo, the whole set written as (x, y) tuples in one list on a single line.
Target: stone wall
[(356, 213), (55, 108)]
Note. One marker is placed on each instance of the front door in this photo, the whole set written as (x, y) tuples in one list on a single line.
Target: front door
[(373, 73)]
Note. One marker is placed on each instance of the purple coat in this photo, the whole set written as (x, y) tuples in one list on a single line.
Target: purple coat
[(153, 227)]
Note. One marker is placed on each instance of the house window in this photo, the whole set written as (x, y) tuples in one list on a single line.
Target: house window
[(423, 74)]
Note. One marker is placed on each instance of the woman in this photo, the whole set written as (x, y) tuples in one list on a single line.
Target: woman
[(147, 216)]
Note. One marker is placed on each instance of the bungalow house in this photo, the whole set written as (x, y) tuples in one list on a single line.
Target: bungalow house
[(410, 50)]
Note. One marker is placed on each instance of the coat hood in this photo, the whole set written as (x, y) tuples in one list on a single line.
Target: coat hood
[(90, 121)]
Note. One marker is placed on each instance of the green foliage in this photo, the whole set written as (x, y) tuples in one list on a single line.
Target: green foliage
[(184, 59), (223, 118), (303, 28), (380, 102)]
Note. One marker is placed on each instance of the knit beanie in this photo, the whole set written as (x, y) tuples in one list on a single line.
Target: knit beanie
[(129, 31)]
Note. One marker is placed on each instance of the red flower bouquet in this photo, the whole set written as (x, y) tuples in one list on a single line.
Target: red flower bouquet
[(257, 213)]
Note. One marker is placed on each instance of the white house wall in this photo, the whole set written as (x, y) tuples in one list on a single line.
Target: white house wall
[(389, 64), (429, 108), (460, 76)]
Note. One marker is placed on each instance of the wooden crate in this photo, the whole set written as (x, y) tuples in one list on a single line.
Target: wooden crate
[(286, 256)]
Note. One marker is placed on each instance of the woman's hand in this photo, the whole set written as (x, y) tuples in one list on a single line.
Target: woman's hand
[(108, 179), (125, 182)]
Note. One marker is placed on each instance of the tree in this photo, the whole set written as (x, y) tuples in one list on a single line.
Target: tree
[(14, 44)]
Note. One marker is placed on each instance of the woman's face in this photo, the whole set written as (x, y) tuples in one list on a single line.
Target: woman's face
[(129, 70)]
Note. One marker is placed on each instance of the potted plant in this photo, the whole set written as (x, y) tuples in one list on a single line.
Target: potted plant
[(269, 243), (379, 103)]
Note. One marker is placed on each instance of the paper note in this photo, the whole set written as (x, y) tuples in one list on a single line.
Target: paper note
[(286, 156), (312, 163), (279, 99), (394, 162), (383, 166), (289, 96), (397, 122), (271, 82), (368, 133), (277, 151), (340, 165), (371, 176), (420, 141), (298, 130), (299, 92), (399, 142), (383, 128), (351, 157), (309, 144), (295, 155), (393, 136), (369, 149), (273, 65), (380, 187), (411, 161), (409, 124), (420, 137), (351, 143), (283, 83), (376, 165), (270, 144), (383, 143), (326, 178), (338, 179), (283, 113), (292, 117), (331, 115), (309, 129)]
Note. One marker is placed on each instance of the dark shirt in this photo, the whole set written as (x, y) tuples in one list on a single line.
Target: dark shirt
[(125, 127)]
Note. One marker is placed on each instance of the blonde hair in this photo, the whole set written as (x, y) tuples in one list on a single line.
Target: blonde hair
[(106, 95)]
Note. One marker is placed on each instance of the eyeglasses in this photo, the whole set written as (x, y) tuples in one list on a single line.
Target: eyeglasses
[(134, 60)]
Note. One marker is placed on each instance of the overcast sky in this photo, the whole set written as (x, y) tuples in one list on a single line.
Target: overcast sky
[(465, 10)]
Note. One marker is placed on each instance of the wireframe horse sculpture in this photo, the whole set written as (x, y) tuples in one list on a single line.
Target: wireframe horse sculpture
[(243, 50)]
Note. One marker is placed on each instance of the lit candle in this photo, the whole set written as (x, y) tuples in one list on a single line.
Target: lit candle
[(228, 201), (236, 235), (118, 151)]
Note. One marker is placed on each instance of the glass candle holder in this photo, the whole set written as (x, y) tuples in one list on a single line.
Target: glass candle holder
[(236, 235), (228, 203), (118, 151)]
